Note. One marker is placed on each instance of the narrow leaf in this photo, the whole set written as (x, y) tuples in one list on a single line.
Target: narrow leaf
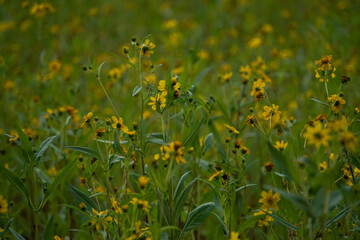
[(341, 214), (15, 181), (49, 230), (82, 197), (180, 184), (86, 150), (16, 235), (136, 90), (197, 217), (209, 141), (57, 181), (43, 146), (201, 75)]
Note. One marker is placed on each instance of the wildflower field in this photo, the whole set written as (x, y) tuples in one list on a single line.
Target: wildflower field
[(209, 119)]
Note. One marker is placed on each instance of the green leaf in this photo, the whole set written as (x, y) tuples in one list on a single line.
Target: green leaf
[(86, 150), (17, 184), (193, 133), (297, 200), (285, 165), (180, 201), (224, 228), (341, 214), (197, 217), (26, 147), (43, 146), (180, 184), (82, 197), (157, 141), (245, 186), (201, 75), (137, 89), (248, 223), (99, 68), (117, 147), (2, 234), (115, 159), (170, 228), (49, 230), (318, 101), (209, 141), (57, 181), (283, 222), (16, 235)]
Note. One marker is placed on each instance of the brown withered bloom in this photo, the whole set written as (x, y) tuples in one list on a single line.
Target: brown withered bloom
[(344, 79), (269, 166)]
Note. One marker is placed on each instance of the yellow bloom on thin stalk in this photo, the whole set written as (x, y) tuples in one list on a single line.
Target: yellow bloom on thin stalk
[(272, 112), (177, 149), (325, 63), (280, 145), (143, 181), (323, 166), (234, 236), (231, 129), (158, 102), (266, 219), (146, 48), (269, 200), (317, 136), (86, 118), (119, 124), (3, 205), (337, 102)]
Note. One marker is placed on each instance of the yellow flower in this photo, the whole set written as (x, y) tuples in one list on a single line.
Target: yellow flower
[(325, 63), (134, 201), (254, 42), (250, 121), (86, 118), (234, 236), (231, 129), (146, 48), (323, 166), (143, 205), (158, 102), (40, 9), (272, 113), (269, 200), (332, 156), (177, 149), (162, 85), (350, 141), (3, 205), (83, 181), (101, 220), (115, 73), (52, 171), (245, 72), (266, 219), (257, 87), (143, 181), (119, 124), (56, 237), (82, 206), (317, 136), (337, 101), (280, 145), (115, 205), (215, 175), (226, 77), (54, 66)]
